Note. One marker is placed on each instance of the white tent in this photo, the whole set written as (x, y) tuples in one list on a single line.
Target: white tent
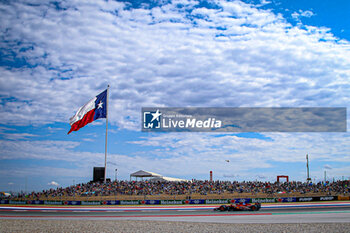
[(156, 177), (142, 174), (165, 178)]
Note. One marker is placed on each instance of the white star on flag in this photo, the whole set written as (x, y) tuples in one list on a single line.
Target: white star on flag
[(156, 115), (100, 105)]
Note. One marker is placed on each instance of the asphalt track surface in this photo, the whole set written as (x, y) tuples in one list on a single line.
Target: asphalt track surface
[(330, 212)]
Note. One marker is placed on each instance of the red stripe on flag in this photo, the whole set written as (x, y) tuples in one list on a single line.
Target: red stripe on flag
[(88, 118)]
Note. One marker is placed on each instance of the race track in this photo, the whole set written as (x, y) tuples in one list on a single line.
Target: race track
[(332, 212)]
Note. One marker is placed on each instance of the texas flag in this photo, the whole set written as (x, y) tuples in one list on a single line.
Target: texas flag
[(94, 109)]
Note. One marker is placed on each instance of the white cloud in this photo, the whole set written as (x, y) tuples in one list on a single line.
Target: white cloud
[(198, 153), (163, 57), (16, 136), (46, 150), (307, 14), (88, 139), (297, 15), (190, 155), (283, 147), (264, 2)]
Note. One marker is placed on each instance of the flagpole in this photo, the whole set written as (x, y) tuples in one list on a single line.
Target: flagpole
[(106, 135), (307, 167)]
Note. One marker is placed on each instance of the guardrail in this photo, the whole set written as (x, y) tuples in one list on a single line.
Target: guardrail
[(77, 197), (178, 202)]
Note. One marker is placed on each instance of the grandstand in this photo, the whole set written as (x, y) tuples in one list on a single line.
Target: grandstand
[(196, 189)]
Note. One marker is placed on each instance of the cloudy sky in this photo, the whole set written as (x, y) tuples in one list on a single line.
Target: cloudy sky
[(57, 55)]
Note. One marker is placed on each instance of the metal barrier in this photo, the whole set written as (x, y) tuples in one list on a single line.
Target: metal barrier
[(177, 201)]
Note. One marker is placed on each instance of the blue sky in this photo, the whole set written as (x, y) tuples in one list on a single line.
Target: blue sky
[(55, 56)]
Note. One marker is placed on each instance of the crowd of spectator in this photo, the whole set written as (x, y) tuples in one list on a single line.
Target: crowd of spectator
[(116, 188)]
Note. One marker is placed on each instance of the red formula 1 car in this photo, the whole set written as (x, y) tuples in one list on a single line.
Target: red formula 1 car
[(239, 207)]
